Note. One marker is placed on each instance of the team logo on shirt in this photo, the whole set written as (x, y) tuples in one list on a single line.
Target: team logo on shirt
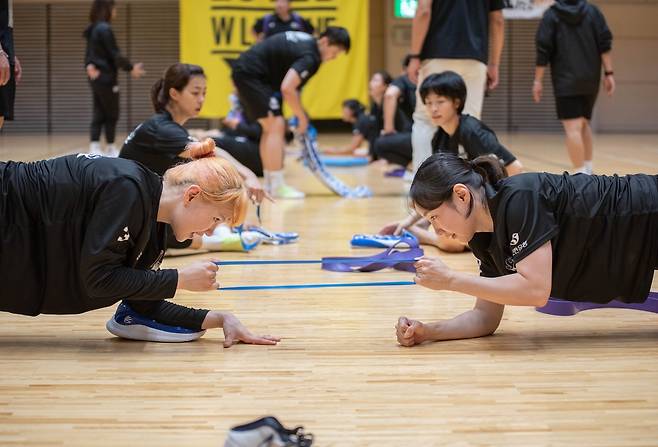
[(304, 74), (125, 237), (515, 240), (516, 250), (274, 103), (510, 265)]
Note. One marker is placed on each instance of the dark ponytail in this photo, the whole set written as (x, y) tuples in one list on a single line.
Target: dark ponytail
[(490, 168), (177, 76), (437, 176), (355, 106)]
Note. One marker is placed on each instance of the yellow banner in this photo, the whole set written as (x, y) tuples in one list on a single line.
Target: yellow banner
[(213, 32)]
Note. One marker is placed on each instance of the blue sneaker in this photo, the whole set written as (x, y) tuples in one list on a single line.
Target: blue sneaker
[(267, 432), (126, 323)]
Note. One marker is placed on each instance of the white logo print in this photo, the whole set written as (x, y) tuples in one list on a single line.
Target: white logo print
[(304, 74), (510, 265), (515, 240), (125, 237), (274, 103), (89, 156)]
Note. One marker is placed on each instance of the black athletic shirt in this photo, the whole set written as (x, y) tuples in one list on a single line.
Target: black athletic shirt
[(459, 29), (571, 37), (157, 143), (272, 24), (364, 125), (603, 231), (103, 51), (474, 137), (271, 59), (407, 100), (79, 233)]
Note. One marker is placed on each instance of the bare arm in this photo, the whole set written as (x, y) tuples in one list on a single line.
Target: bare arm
[(514, 168), (529, 286), (480, 321), (290, 92), (537, 88), (390, 107), (609, 80), (497, 40), (419, 27)]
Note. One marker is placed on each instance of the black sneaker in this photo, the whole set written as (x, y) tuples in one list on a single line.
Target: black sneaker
[(267, 432)]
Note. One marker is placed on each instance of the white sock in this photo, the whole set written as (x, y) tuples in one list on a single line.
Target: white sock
[(94, 147), (588, 167), (274, 179), (111, 150), (581, 170)]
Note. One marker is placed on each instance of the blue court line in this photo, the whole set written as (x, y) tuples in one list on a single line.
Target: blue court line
[(322, 286)]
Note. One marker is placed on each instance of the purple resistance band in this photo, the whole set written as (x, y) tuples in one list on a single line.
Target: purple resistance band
[(564, 308), (391, 258)]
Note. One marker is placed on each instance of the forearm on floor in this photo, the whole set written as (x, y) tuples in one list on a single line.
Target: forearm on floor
[(480, 321)]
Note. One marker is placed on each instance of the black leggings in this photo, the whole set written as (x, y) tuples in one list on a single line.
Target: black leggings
[(394, 148), (106, 111), (244, 150), (171, 314)]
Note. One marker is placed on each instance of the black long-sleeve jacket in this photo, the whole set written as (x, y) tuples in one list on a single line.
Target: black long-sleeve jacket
[(77, 233), (103, 51), (571, 37)]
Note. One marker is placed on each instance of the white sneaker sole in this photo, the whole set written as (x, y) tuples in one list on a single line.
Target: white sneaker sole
[(145, 333)]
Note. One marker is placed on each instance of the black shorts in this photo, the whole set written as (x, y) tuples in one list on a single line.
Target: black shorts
[(258, 98), (572, 107), (7, 95)]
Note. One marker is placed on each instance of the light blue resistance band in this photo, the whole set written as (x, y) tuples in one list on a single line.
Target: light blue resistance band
[(322, 286)]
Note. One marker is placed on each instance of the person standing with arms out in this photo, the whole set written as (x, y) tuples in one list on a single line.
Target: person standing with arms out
[(10, 67), (283, 19), (280, 66), (464, 36), (102, 62), (584, 44)]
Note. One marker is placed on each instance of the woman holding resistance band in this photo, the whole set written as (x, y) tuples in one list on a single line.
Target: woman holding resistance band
[(79, 233), (535, 235)]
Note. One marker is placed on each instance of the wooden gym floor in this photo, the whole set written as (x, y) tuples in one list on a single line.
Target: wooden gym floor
[(586, 380)]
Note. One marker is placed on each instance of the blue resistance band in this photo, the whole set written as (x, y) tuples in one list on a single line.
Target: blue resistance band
[(306, 261), (322, 286)]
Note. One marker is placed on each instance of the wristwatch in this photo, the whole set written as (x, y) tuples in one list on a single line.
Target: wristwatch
[(413, 56), (608, 73)]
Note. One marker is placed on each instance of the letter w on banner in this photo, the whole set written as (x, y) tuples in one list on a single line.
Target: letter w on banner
[(215, 32)]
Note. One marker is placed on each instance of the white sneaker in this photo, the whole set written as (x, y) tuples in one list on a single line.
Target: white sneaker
[(95, 148), (111, 151), (287, 192)]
